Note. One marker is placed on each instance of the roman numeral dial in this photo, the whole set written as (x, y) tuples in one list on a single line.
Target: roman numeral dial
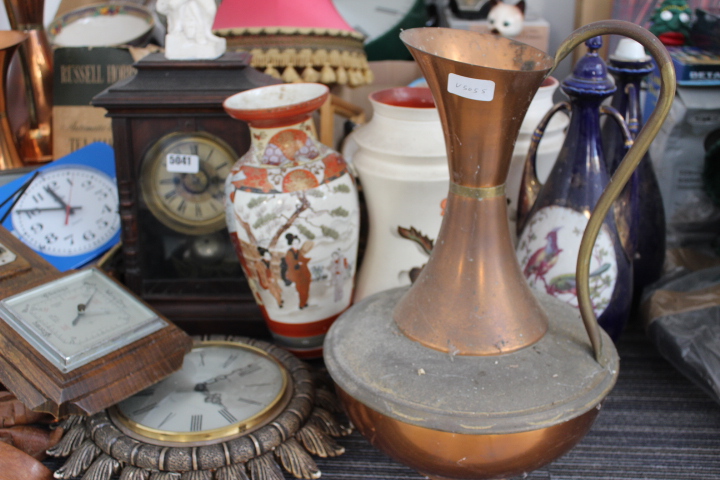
[(222, 387), (183, 181)]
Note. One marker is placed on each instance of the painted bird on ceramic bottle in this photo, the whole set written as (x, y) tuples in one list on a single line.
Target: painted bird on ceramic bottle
[(544, 258), (567, 282)]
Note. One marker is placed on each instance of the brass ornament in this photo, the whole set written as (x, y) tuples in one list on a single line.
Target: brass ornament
[(98, 448)]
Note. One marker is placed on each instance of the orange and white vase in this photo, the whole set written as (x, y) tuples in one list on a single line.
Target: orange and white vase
[(293, 214)]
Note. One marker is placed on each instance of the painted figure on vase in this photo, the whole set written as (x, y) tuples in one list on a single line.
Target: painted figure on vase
[(424, 242), (295, 268), (544, 258), (339, 268), (548, 254), (264, 274)]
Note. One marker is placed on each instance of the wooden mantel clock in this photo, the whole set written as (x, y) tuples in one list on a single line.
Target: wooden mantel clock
[(174, 146), (77, 342)]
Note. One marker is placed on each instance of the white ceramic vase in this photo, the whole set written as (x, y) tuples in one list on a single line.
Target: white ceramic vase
[(401, 161)]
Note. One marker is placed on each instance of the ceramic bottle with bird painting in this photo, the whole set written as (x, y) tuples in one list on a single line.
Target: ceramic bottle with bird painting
[(293, 215), (552, 217)]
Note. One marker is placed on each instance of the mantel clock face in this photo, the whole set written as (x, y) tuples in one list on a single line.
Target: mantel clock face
[(183, 181)]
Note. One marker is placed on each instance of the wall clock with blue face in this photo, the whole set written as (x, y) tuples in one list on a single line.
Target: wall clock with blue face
[(67, 210)]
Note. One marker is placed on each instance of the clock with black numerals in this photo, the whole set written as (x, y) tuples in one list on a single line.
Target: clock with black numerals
[(174, 147), (183, 181), (66, 211)]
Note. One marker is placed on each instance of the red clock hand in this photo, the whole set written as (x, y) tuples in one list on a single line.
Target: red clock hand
[(68, 210)]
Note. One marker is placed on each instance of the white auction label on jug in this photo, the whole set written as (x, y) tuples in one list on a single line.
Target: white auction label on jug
[(472, 88)]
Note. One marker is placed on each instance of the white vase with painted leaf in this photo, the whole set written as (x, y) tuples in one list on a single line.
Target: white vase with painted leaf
[(401, 161)]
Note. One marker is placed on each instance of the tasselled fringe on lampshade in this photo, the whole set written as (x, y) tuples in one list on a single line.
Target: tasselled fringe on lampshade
[(295, 40)]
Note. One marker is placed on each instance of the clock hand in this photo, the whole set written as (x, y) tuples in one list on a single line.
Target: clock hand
[(242, 371), (81, 309), (214, 398), (48, 209), (68, 209), (98, 312), (20, 192), (55, 196)]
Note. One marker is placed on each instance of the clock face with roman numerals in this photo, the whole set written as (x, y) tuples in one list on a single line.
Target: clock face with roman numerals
[(183, 181), (223, 390)]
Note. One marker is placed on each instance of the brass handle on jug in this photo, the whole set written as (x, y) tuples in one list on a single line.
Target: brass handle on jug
[(629, 163)]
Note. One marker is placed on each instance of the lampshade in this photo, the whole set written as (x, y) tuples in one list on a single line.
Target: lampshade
[(295, 40)]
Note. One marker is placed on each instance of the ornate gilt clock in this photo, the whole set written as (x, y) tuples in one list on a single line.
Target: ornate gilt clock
[(239, 408), (174, 146)]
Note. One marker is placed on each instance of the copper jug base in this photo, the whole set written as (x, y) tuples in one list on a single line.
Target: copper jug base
[(468, 417), (483, 456)]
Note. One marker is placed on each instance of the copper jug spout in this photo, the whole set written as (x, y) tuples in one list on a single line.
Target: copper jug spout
[(486, 88)]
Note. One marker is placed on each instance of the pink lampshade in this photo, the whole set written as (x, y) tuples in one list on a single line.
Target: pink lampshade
[(295, 40), (279, 13)]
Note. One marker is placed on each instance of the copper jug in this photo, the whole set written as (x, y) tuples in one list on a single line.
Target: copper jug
[(31, 82), (470, 374), (10, 158)]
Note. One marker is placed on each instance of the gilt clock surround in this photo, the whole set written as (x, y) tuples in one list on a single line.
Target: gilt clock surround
[(186, 269), (238, 409)]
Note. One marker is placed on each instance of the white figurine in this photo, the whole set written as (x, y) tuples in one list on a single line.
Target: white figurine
[(506, 19), (190, 34)]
